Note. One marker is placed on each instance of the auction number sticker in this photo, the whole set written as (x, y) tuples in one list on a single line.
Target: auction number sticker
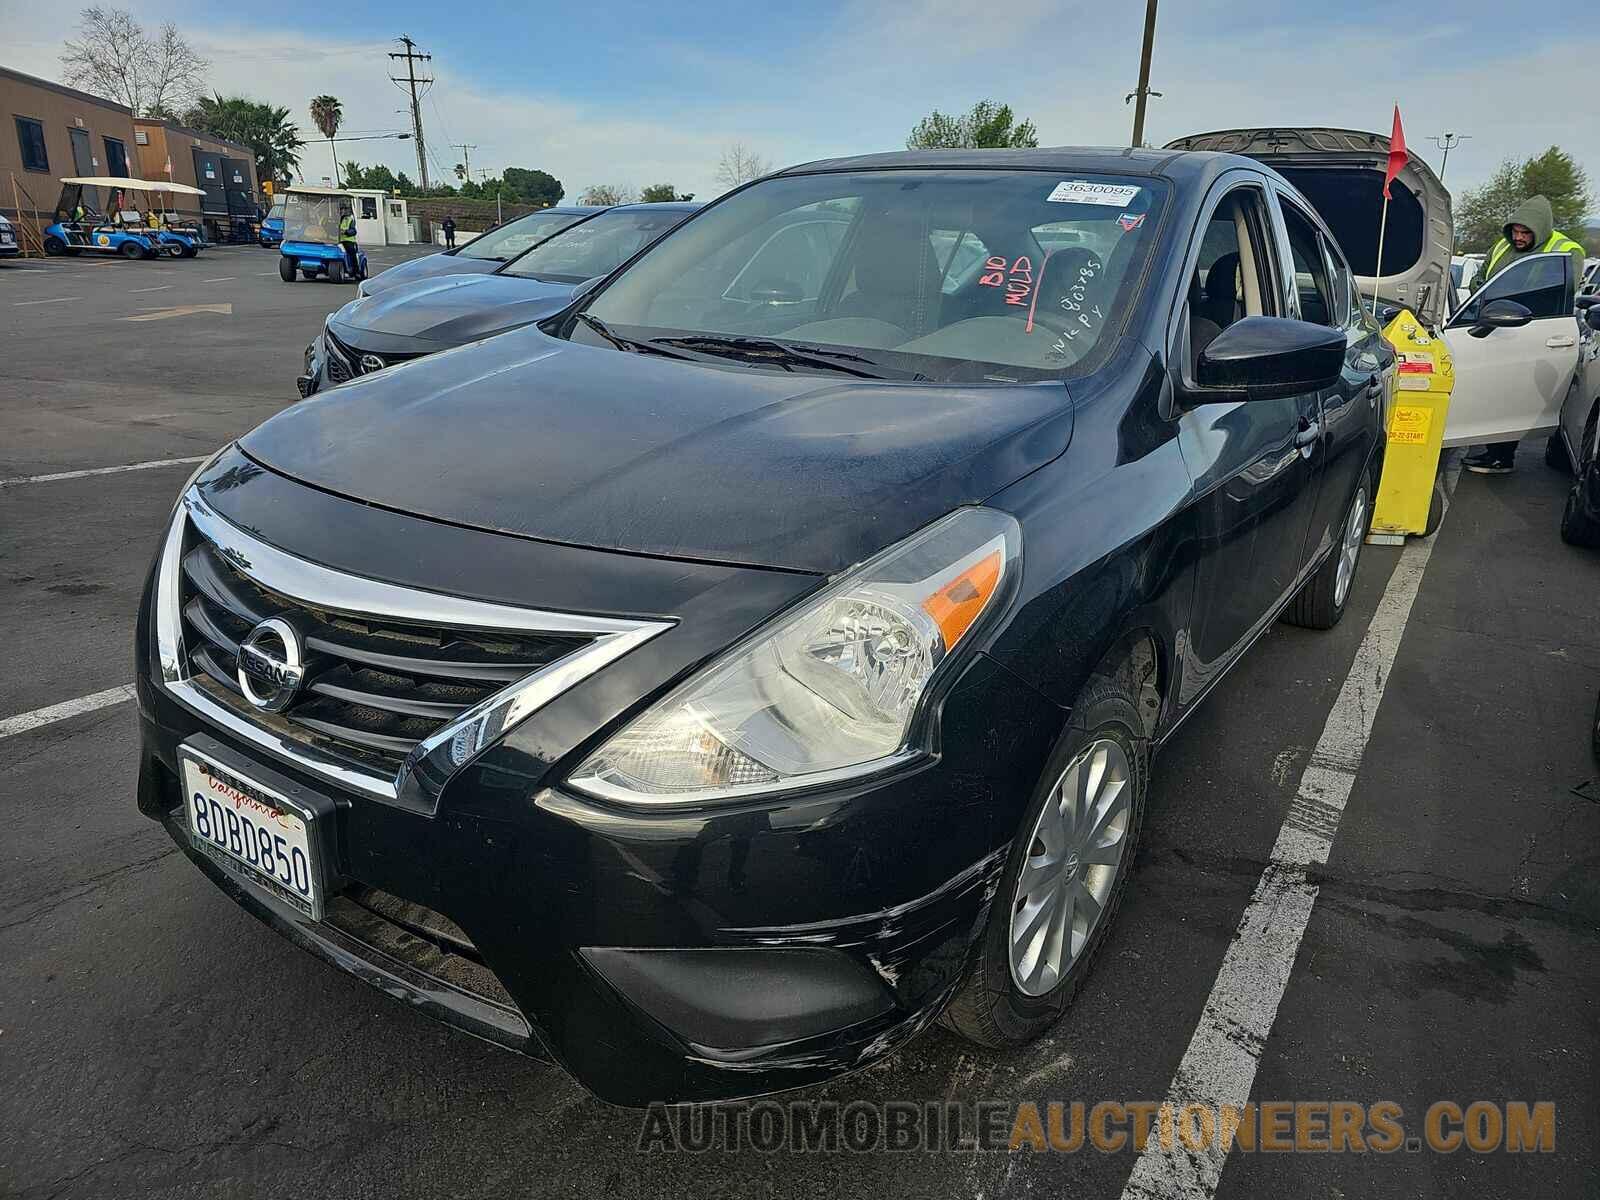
[(1410, 424), (1084, 191)]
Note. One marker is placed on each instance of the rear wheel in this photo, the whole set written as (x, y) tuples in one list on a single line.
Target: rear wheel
[(336, 272), (286, 269), (54, 246), (188, 252), (132, 250), (1555, 453), (1322, 600), (1065, 875), (1578, 526)]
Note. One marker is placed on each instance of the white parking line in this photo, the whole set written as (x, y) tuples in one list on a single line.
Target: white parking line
[(221, 279), (162, 288), (260, 273), (139, 466), (1219, 1067), (23, 722), (57, 300)]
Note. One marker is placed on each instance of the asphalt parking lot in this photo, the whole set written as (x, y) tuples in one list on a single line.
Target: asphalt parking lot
[(156, 1041)]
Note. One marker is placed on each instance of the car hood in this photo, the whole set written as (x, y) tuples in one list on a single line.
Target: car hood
[(538, 437), (448, 310), (427, 268), (1340, 171)]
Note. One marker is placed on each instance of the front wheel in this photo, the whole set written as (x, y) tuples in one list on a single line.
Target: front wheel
[(1321, 602), (286, 269), (132, 250), (188, 252), (54, 246), (1064, 878)]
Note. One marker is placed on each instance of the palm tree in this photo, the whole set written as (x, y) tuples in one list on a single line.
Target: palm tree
[(326, 113)]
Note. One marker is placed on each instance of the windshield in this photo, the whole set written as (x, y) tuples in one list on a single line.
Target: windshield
[(1003, 275), (512, 239), (276, 210), (595, 247), (309, 218)]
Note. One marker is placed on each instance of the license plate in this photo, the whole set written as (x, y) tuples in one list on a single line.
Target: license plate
[(253, 832)]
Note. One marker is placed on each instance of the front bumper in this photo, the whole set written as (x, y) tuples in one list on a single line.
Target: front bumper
[(674, 956)]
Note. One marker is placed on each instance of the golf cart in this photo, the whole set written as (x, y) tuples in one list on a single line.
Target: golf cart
[(311, 235), (126, 228)]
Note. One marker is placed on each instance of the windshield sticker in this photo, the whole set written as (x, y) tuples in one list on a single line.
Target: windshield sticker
[(1130, 221), (1082, 191), (1015, 277)]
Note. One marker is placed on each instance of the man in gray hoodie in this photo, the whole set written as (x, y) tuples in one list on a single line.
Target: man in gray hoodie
[(1529, 231)]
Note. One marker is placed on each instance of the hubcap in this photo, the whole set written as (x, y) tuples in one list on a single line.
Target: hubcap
[(1073, 855), (1354, 531)]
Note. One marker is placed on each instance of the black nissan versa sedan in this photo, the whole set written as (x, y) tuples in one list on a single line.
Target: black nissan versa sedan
[(711, 686)]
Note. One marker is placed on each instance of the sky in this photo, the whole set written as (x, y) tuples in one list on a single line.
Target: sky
[(634, 92)]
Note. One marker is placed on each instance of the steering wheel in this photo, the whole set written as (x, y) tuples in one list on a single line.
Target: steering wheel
[(1070, 290)]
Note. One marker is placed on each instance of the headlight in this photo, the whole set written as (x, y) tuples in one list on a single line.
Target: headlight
[(827, 691)]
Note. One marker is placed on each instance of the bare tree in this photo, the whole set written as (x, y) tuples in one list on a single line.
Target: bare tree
[(606, 193), (740, 164), (116, 57)]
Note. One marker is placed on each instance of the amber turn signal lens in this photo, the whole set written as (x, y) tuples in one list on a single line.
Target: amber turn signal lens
[(956, 605)]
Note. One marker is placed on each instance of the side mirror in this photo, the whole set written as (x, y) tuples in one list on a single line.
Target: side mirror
[(1500, 314), (1591, 314), (1588, 300), (1265, 358)]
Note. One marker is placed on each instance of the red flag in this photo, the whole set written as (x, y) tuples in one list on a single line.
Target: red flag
[(1398, 157)]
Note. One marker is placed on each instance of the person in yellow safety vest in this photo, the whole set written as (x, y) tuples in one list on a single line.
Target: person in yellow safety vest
[(347, 240), (1531, 230)]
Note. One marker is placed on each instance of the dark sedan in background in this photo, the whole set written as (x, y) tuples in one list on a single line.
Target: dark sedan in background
[(487, 251), (432, 314), (712, 685)]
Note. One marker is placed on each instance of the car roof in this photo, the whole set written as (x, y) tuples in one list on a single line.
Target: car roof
[(1111, 160), (683, 206)]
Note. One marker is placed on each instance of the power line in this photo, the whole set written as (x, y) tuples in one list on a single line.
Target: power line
[(412, 58)]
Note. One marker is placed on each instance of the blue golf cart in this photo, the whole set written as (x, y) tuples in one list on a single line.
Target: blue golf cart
[(128, 225), (311, 236)]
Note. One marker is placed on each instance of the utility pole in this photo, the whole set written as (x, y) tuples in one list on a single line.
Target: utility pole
[(466, 149), (499, 211), (1448, 142), (412, 59), (1143, 92)]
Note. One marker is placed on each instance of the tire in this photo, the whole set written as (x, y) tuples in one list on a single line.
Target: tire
[(1594, 745), (1322, 601), (286, 269), (188, 252), (1436, 508), (991, 1007), (336, 272), (1555, 454), (1578, 526), (54, 246), (132, 250)]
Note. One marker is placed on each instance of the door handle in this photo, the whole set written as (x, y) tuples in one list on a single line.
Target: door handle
[(1310, 431), (1561, 341)]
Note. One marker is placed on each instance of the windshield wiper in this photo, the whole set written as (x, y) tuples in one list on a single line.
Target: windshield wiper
[(620, 342), (769, 351)]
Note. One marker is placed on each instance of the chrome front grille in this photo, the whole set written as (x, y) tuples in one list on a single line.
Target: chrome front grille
[(345, 361), (373, 688), (400, 688)]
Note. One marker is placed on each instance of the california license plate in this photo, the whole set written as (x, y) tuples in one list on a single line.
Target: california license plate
[(253, 832)]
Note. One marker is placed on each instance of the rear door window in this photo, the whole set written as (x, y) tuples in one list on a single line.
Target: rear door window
[(1311, 284)]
